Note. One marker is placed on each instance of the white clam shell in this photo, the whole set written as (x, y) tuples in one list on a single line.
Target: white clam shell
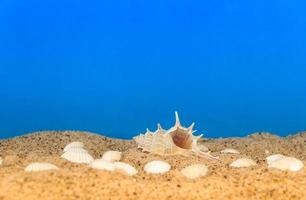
[(274, 158), (243, 162), (287, 164), (195, 171), (77, 149), (102, 165), (77, 157), (125, 167), (230, 151), (157, 167), (40, 166), (112, 156), (74, 145)]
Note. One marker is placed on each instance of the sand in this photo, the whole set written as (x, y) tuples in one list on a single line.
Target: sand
[(78, 181)]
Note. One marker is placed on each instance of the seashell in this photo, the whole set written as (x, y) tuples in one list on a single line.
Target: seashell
[(40, 166), (73, 145), (274, 158), (1, 161), (77, 149), (102, 165), (126, 168), (230, 151), (157, 167), (287, 164), (195, 171), (178, 140), (112, 156), (243, 162), (77, 157)]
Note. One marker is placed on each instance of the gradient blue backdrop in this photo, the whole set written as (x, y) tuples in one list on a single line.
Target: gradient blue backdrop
[(117, 67)]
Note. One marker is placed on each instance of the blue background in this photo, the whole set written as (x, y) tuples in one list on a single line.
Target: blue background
[(117, 67)]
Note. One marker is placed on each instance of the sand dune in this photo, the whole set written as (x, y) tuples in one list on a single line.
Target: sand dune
[(78, 181)]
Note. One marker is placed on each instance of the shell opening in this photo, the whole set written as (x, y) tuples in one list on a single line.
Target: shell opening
[(182, 139)]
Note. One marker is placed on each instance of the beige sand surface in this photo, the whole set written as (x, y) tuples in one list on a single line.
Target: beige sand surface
[(76, 181)]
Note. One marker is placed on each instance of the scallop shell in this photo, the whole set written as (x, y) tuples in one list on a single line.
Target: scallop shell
[(112, 156), (157, 167), (74, 145), (287, 164), (126, 168), (178, 140), (77, 157), (195, 171), (77, 149), (274, 158), (40, 166), (102, 165), (230, 151), (243, 162)]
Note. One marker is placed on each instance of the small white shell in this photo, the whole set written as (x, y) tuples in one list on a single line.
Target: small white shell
[(230, 151), (77, 149), (1, 161), (112, 156), (102, 165), (77, 157), (195, 171), (73, 144), (40, 166), (274, 158), (125, 167), (157, 167), (287, 164), (243, 162)]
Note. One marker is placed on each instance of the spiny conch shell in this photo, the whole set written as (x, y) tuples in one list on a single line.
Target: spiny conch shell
[(287, 164), (112, 156), (157, 167), (126, 168), (243, 162), (230, 151), (272, 158), (195, 171), (34, 167), (78, 157), (102, 165), (73, 145), (178, 140)]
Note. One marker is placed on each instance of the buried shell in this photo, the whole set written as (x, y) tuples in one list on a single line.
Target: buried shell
[(157, 167), (40, 166), (178, 140), (112, 156), (102, 165)]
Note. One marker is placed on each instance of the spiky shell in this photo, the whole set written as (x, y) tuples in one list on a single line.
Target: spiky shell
[(40, 166), (178, 140)]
